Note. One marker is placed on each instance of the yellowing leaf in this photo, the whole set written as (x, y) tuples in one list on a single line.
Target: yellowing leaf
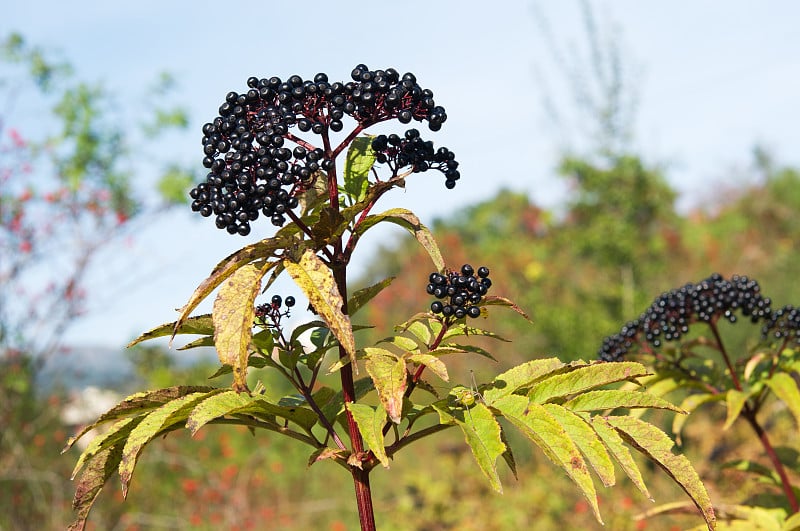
[(199, 325), (431, 362), (152, 425), (620, 452), (520, 376), (735, 401), (587, 441), (785, 388), (481, 432), (536, 423), (316, 280), (409, 221), (585, 378), (613, 398), (91, 481), (657, 446), (233, 315), (389, 376), (370, 423)]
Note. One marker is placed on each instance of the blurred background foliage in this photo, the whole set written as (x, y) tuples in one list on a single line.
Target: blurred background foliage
[(580, 270)]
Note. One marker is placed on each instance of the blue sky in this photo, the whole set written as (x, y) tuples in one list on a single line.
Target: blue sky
[(713, 78)]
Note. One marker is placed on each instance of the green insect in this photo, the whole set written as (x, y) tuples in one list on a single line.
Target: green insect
[(467, 396)]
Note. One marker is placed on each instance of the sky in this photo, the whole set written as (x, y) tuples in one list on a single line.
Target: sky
[(711, 80)]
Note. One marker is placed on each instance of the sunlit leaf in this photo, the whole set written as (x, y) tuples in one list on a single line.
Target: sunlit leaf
[(200, 325), (370, 423), (316, 280), (389, 376), (431, 362), (601, 400), (409, 221), (735, 400), (587, 441), (585, 378), (657, 446), (152, 425), (234, 313), (91, 481), (231, 402), (519, 376), (536, 423), (785, 388), (357, 165), (481, 432), (689, 404), (494, 300), (620, 452)]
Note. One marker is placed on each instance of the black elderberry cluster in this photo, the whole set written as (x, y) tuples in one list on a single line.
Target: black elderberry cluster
[(411, 150), (783, 323), (253, 169), (459, 293), (272, 312), (670, 315)]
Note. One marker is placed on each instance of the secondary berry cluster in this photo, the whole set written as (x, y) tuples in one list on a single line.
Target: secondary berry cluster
[(254, 170), (783, 323), (272, 312), (670, 315), (459, 292), (411, 150)]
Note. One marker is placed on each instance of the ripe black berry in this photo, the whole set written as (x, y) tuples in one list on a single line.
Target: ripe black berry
[(289, 301), (463, 290)]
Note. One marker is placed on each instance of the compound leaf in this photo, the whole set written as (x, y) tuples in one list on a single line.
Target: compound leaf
[(620, 452), (536, 423), (520, 376)]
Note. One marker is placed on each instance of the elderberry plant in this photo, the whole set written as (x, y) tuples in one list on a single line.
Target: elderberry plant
[(296, 153), (681, 338)]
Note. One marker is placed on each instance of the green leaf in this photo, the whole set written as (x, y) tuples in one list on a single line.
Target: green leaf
[(359, 162), (409, 221), (232, 403), (152, 425), (138, 403), (536, 423), (616, 447), (735, 401), (258, 251), (587, 441), (234, 313), (91, 481), (116, 433), (481, 432), (363, 296), (743, 465), (584, 378), (689, 404), (785, 388), (200, 325), (388, 373), (601, 400), (421, 332), (494, 300), (520, 376), (792, 523), (370, 421), (657, 446), (431, 362), (316, 280)]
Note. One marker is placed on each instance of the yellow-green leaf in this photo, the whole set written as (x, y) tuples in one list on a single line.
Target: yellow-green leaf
[(481, 432), (585, 378), (433, 363), (151, 426), (785, 388), (388, 373), (316, 280), (91, 481), (601, 400), (409, 221), (657, 446), (735, 401), (587, 441), (370, 421), (363, 296), (359, 161), (233, 315), (689, 404), (199, 325), (536, 423), (616, 446), (520, 376)]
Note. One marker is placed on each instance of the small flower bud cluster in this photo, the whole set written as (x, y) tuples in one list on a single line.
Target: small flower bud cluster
[(459, 293)]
